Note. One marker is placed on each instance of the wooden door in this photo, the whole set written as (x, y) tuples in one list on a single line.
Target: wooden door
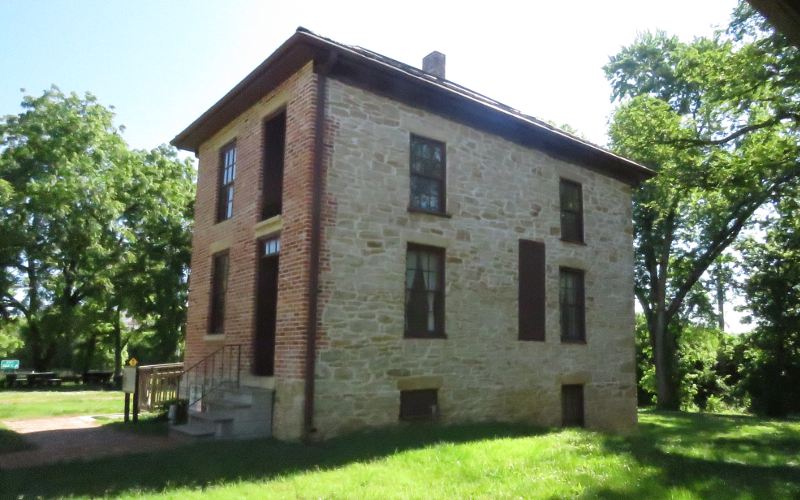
[(266, 308)]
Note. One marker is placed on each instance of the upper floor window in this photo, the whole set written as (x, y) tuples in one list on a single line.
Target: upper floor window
[(571, 211), (274, 152), (572, 305), (424, 291), (219, 287), (428, 166), (227, 174)]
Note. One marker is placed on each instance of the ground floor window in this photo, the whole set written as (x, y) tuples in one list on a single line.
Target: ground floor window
[(424, 292), (419, 404)]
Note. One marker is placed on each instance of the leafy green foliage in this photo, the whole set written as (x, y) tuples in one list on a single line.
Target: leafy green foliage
[(90, 232), (773, 293), (719, 119), (709, 368)]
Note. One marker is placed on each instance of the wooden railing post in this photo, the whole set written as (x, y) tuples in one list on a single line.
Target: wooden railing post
[(136, 398)]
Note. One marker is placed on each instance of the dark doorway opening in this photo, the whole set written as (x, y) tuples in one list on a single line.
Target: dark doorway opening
[(572, 405), (274, 149), (266, 307)]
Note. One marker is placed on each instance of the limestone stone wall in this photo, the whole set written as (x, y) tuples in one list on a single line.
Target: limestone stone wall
[(497, 193)]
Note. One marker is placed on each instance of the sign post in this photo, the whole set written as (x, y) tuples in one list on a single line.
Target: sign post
[(129, 382)]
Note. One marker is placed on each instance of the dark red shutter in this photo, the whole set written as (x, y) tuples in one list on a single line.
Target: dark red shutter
[(531, 290)]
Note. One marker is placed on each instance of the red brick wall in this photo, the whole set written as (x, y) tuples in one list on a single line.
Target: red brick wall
[(298, 94)]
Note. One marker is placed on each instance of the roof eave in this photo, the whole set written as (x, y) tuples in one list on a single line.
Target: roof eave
[(289, 57), (355, 67)]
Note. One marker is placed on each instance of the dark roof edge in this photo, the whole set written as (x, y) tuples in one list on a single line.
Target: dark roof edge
[(190, 139), (183, 139)]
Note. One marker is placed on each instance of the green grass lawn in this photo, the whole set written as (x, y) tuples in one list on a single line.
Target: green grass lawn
[(58, 402), (674, 455)]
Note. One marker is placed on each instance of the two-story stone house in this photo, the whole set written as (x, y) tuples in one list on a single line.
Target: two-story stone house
[(380, 244)]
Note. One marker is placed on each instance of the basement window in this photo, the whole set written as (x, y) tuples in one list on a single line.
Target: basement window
[(420, 404)]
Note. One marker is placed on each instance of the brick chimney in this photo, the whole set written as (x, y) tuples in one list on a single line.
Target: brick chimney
[(433, 63)]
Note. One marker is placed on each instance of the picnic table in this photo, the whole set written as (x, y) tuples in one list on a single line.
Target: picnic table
[(12, 379), (97, 377), (38, 379), (32, 379)]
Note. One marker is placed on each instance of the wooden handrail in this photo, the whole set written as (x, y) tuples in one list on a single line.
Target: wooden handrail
[(158, 385)]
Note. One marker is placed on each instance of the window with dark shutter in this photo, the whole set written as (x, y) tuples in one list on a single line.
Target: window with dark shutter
[(571, 302), (424, 292), (419, 405), (227, 175), (274, 149), (572, 405), (219, 286), (531, 290), (428, 165), (571, 211)]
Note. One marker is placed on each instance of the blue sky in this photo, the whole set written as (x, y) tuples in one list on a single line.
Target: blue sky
[(162, 63)]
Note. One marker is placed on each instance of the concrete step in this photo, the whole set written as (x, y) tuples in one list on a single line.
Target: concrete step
[(195, 430), (220, 423), (212, 416), (235, 412), (225, 405)]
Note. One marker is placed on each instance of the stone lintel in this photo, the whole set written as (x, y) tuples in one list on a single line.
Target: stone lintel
[(268, 227), (419, 382)]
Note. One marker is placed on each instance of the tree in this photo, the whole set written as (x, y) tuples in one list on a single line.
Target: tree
[(718, 119), (773, 293), (86, 221), (152, 285)]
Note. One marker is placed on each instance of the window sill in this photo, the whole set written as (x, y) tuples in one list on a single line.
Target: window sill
[(574, 242), (214, 337), (573, 341), (429, 212), (425, 336)]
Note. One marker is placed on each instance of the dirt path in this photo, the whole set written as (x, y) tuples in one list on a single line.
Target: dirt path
[(58, 439)]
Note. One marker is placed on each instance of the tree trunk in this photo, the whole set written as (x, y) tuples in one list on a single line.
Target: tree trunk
[(117, 344), (88, 358), (34, 336), (664, 345), (720, 300), (664, 354)]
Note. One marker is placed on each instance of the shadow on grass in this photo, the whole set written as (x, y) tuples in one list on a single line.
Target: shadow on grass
[(212, 462), (148, 424), (711, 456), (11, 441), (673, 454)]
